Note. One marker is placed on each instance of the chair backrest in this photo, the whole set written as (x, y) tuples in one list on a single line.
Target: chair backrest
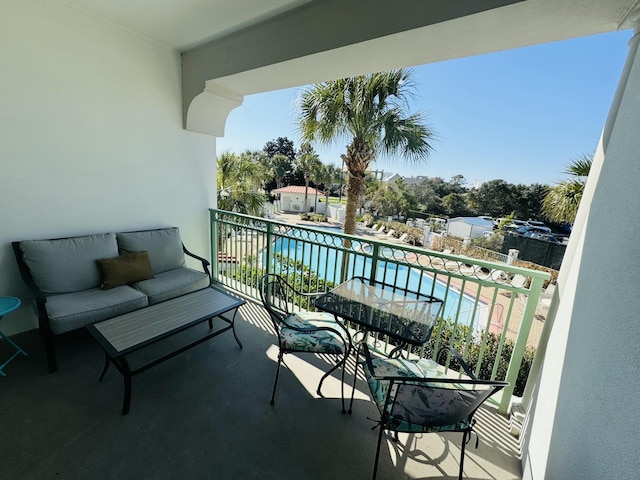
[(438, 403), (276, 297)]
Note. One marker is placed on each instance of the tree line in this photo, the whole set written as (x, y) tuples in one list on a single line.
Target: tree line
[(454, 198), (245, 181)]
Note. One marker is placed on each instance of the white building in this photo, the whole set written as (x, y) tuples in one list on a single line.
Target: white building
[(468, 227), (292, 198)]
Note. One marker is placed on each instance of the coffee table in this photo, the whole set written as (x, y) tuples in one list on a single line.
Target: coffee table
[(122, 336)]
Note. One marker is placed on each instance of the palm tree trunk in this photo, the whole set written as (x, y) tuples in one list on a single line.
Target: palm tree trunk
[(357, 159)]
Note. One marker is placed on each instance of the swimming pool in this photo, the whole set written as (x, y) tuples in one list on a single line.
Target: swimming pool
[(316, 251)]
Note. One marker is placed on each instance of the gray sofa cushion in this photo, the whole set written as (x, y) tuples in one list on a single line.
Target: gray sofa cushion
[(68, 264), (69, 311), (164, 246), (172, 284)]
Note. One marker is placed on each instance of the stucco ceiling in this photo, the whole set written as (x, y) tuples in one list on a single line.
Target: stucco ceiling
[(181, 24)]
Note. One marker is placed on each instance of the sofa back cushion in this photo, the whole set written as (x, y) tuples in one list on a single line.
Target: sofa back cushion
[(68, 264), (163, 245)]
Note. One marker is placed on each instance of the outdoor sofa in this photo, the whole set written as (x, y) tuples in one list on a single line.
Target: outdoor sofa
[(81, 280)]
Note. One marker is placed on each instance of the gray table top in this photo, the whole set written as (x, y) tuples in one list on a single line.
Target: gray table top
[(130, 331)]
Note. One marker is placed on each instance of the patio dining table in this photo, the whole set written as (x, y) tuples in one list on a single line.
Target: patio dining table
[(405, 316)]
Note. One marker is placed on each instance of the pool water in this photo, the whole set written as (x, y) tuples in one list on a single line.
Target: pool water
[(326, 262)]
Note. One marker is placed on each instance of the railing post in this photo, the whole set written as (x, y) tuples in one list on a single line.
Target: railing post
[(521, 342), (375, 256), (213, 220), (268, 247)]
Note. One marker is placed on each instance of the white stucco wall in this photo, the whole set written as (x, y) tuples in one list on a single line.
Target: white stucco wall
[(583, 419), (91, 136)]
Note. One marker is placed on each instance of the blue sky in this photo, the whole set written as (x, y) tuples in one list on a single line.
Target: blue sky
[(520, 115)]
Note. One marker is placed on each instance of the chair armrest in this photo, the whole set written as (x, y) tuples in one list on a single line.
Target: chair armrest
[(459, 359), (205, 262)]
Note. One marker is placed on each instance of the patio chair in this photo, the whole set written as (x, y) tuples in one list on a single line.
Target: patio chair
[(302, 331), (413, 396)]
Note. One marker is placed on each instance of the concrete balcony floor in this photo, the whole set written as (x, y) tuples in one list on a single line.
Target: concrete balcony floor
[(206, 414)]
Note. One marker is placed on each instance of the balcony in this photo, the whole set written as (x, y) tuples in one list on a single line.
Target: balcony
[(489, 307), (206, 414)]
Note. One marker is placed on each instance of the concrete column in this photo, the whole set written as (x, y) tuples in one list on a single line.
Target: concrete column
[(583, 412)]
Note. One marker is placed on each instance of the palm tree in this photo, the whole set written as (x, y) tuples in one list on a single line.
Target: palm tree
[(280, 165), (327, 175), (307, 163), (562, 200), (368, 111), (237, 178)]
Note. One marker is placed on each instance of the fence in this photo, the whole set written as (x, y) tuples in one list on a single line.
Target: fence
[(537, 251), (479, 298)]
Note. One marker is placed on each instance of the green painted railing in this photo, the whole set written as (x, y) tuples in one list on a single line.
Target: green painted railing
[(496, 298)]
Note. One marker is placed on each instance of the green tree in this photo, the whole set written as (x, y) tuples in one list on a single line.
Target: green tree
[(430, 192), (495, 198), (281, 146), (369, 111), (455, 204), (328, 175), (237, 177), (280, 165), (563, 199), (307, 163), (391, 198)]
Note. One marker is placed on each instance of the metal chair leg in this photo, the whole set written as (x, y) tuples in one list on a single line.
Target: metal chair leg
[(275, 384), (375, 464), (465, 438), (333, 369)]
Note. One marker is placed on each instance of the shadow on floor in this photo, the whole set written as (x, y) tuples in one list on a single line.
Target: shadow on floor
[(206, 414)]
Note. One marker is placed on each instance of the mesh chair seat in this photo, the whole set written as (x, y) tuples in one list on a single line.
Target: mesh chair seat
[(432, 413), (319, 341), (413, 396)]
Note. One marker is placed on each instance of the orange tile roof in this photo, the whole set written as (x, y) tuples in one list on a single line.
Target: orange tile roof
[(297, 189)]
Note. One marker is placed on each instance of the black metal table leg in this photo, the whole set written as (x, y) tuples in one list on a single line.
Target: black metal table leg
[(355, 376), (107, 361), (233, 327), (126, 376)]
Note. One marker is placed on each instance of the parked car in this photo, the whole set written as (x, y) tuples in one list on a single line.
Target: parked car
[(531, 229), (536, 223), (514, 223), (543, 236)]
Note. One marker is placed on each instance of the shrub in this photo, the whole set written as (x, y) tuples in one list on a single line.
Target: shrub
[(456, 336)]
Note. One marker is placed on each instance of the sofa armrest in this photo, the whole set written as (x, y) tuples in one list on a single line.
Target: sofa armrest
[(27, 278), (40, 304), (205, 262)]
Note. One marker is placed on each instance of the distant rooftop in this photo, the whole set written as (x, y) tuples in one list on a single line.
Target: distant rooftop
[(297, 189)]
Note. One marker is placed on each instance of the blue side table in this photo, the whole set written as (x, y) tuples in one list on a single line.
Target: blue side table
[(9, 304)]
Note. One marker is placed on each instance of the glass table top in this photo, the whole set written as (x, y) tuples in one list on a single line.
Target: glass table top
[(403, 314)]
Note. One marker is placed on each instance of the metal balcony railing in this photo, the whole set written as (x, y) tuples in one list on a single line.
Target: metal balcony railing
[(487, 305)]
